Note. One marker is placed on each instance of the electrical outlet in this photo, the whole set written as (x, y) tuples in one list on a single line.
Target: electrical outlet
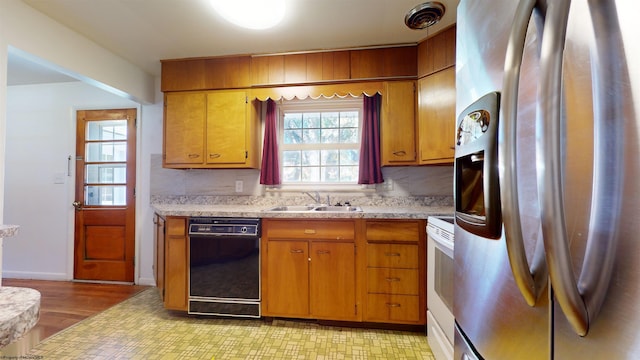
[(239, 185)]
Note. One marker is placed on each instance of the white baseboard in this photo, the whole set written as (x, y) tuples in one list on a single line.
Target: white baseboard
[(34, 275), (146, 281)]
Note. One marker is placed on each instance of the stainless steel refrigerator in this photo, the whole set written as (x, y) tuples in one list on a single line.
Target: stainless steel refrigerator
[(547, 180)]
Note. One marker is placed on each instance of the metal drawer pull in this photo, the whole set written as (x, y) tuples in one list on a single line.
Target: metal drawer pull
[(323, 252), (193, 156), (400, 153), (391, 254), (296, 251), (309, 231), (392, 279), (214, 156), (393, 304)]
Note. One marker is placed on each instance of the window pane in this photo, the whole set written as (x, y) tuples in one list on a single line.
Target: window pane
[(310, 157), (293, 136), (311, 174), (311, 120), (331, 174), (349, 136), (349, 157), (330, 136), (106, 151), (106, 174), (330, 119), (293, 121), (311, 136), (292, 174), (349, 174), (330, 157), (349, 119), (105, 195), (107, 130), (291, 158)]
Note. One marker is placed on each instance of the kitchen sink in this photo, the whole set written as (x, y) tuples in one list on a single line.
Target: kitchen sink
[(292, 208), (312, 208), (338, 208)]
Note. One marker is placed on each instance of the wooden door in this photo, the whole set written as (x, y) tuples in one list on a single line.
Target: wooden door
[(226, 127), (287, 285), (184, 124), (105, 206), (332, 280)]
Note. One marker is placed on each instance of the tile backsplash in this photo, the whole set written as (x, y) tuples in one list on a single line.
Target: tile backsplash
[(427, 185)]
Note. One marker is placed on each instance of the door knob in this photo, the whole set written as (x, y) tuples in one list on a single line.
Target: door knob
[(77, 205)]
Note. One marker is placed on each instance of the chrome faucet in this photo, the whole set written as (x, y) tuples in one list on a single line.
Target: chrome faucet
[(315, 197)]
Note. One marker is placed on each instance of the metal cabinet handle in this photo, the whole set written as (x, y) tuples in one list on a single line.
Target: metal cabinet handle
[(323, 252), (392, 304), (193, 156), (214, 156), (389, 279), (391, 254), (531, 280), (581, 301), (296, 251), (400, 153)]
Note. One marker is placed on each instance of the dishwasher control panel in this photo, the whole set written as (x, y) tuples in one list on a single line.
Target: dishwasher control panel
[(224, 226)]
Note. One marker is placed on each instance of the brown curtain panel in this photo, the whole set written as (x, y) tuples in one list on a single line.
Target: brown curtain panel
[(270, 171), (370, 171)]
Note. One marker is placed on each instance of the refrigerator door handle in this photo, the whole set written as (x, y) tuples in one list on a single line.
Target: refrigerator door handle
[(531, 281), (581, 302)]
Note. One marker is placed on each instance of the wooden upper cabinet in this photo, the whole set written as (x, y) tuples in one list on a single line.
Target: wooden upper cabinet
[(209, 73), (300, 68), (184, 125), (437, 117), (213, 129), (384, 62), (397, 124), (437, 52)]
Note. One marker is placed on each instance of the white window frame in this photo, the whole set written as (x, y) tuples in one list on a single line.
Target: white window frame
[(318, 105)]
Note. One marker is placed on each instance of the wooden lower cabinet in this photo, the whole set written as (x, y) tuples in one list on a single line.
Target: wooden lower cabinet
[(309, 269), (395, 271), (171, 263)]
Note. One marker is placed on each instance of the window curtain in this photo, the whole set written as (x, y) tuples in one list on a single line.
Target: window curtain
[(270, 170), (370, 172)]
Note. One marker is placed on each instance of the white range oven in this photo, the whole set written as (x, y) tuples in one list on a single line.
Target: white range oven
[(440, 320)]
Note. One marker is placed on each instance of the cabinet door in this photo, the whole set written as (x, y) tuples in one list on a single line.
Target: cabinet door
[(437, 116), (184, 121), (333, 280), (226, 127), (397, 128), (287, 280)]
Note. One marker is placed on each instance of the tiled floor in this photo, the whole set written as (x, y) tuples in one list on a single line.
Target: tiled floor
[(140, 328)]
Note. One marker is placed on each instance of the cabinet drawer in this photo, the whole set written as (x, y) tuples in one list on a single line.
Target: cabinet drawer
[(403, 231), (392, 256), (310, 229), (392, 281), (393, 308)]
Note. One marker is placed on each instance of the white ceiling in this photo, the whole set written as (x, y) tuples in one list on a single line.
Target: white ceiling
[(146, 31)]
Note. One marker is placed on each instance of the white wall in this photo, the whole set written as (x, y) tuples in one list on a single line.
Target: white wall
[(43, 40), (40, 136)]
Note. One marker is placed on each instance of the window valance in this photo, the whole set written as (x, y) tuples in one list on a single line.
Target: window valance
[(316, 91)]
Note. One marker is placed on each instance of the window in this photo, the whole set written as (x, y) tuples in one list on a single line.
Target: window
[(320, 141)]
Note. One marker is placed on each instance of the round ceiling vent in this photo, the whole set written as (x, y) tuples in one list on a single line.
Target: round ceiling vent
[(424, 15)]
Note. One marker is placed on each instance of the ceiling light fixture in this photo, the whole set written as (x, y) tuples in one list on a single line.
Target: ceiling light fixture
[(251, 14)]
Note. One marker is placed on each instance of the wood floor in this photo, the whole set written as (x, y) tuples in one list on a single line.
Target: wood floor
[(64, 303)]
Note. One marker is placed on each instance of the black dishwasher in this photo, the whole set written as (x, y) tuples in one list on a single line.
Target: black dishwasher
[(224, 266)]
